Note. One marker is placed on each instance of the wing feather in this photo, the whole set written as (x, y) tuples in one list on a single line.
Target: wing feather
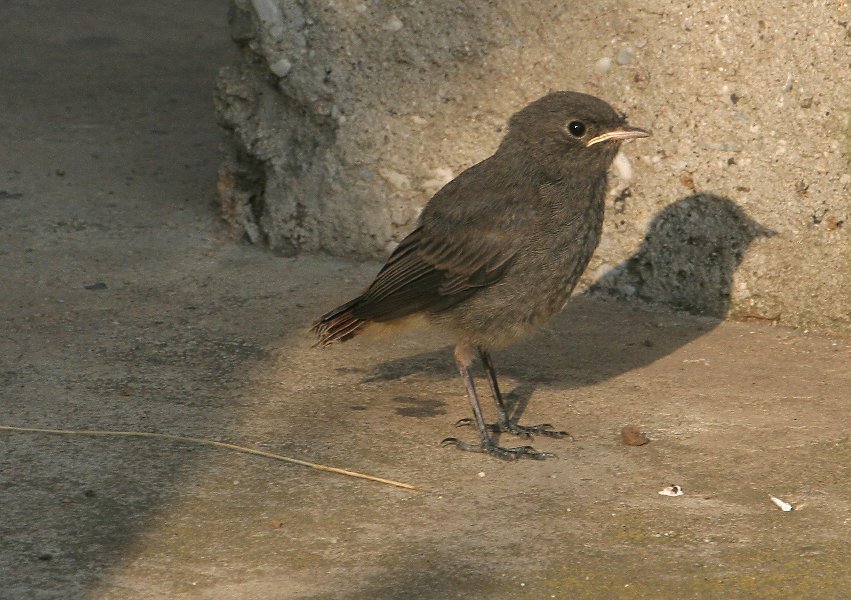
[(466, 239)]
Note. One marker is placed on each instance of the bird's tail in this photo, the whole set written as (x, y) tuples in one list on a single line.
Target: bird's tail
[(339, 325)]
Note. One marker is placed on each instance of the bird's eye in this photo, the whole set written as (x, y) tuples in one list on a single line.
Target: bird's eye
[(576, 128)]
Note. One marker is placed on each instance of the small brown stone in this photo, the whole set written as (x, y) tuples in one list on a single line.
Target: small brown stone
[(833, 223), (632, 436)]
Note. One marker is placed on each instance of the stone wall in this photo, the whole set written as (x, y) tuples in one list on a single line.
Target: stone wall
[(344, 117)]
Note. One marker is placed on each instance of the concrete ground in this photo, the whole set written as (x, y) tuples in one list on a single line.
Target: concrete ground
[(127, 307)]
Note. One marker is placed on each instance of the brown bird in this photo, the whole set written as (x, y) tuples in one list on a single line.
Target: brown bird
[(498, 250)]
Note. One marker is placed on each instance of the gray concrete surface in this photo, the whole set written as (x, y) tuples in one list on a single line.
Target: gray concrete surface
[(347, 116), (106, 176)]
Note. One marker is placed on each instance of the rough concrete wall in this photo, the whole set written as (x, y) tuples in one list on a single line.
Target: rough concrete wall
[(344, 117)]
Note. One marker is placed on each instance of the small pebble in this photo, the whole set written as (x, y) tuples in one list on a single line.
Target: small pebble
[(632, 436), (481, 473), (393, 24), (603, 65), (281, 67), (625, 55)]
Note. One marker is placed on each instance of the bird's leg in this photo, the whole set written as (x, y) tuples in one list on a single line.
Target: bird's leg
[(501, 409), (464, 358), (505, 424)]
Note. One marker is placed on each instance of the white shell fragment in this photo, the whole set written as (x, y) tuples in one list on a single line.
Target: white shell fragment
[(784, 506), (672, 490)]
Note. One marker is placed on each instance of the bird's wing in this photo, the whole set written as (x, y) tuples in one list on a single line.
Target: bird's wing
[(461, 245)]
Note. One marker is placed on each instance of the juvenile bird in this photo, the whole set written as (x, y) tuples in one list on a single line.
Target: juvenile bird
[(498, 250)]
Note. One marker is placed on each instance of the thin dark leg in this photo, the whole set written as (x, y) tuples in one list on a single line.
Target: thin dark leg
[(463, 358), (506, 425), (487, 362), (474, 402)]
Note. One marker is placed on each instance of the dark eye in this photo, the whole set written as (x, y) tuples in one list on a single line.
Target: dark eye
[(576, 128)]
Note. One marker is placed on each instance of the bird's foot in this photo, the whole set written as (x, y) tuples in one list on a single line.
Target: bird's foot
[(498, 451), (523, 431)]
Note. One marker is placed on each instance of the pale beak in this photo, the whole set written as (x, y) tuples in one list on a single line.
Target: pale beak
[(621, 133)]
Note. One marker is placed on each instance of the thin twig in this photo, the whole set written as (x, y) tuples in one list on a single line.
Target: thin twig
[(183, 438)]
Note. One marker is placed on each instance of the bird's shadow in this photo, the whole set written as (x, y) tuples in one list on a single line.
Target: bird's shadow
[(623, 320)]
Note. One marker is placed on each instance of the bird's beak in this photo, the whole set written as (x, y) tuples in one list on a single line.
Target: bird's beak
[(621, 133)]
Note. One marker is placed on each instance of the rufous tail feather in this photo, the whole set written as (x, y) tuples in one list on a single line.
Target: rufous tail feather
[(338, 325)]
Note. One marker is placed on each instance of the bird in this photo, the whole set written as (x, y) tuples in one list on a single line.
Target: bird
[(497, 251)]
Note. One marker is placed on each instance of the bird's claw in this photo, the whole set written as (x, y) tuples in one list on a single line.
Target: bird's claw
[(523, 431), (527, 431), (498, 451)]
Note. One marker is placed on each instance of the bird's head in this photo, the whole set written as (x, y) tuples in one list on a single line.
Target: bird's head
[(569, 133)]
